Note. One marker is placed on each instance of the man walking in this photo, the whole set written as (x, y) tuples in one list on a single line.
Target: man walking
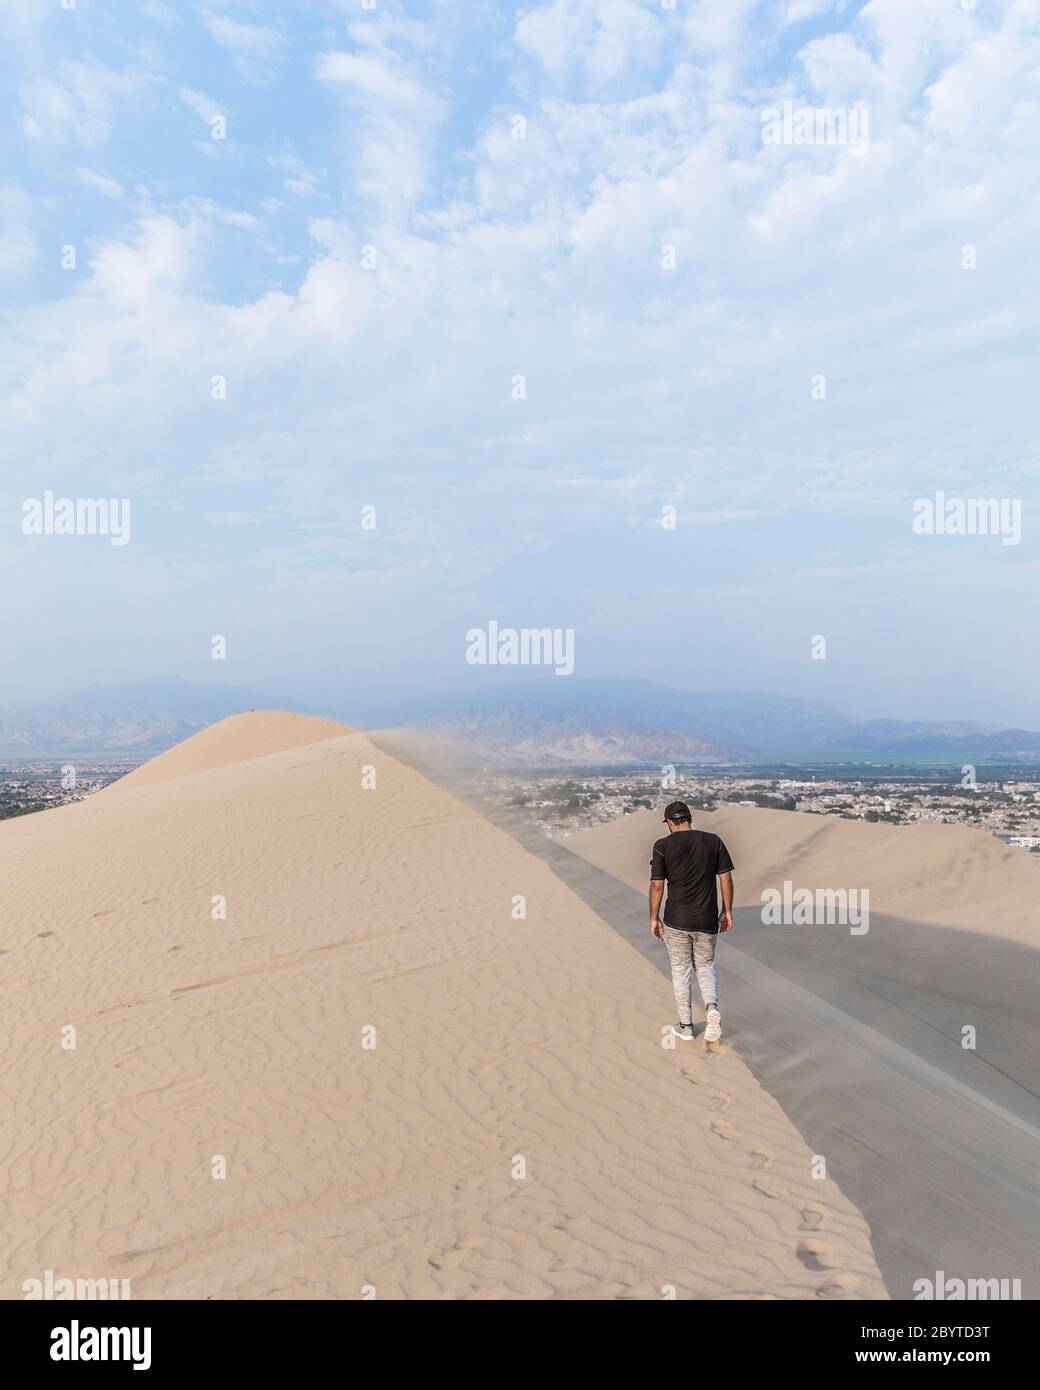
[(689, 861)]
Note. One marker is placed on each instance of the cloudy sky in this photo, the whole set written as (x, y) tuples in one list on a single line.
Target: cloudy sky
[(520, 279)]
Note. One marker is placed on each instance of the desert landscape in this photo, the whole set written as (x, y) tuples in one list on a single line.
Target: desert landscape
[(439, 439), (285, 1020)]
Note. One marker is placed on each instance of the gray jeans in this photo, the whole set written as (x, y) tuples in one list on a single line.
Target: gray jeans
[(690, 951)]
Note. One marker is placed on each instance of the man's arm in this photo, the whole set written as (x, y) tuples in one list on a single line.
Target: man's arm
[(726, 915), (656, 894)]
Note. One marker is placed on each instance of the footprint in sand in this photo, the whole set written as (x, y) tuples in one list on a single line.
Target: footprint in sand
[(719, 1100), (812, 1219), (814, 1254), (837, 1286), (447, 1259), (724, 1131), (450, 1259), (766, 1189), (760, 1160), (454, 1256)]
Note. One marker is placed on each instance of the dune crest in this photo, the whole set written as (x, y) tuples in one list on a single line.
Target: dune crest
[(233, 740)]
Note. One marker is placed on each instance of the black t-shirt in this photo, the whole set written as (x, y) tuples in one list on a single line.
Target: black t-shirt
[(691, 860)]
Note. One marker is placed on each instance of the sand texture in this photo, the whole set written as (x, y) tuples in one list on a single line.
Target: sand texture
[(516, 1130)]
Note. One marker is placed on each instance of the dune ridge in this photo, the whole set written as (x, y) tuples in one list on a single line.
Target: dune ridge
[(516, 1130), (237, 739)]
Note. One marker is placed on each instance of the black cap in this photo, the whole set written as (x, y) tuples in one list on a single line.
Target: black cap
[(677, 811)]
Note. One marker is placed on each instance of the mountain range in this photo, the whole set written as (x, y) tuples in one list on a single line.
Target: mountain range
[(633, 721), (533, 723), (140, 717)]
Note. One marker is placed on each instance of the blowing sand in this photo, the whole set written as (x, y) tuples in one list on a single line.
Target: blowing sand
[(516, 1131), (947, 874)]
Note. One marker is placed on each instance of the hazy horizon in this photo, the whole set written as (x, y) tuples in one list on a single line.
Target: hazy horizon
[(602, 704), (521, 281)]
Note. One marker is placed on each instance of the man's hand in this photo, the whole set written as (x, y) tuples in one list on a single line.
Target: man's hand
[(656, 899), (726, 915)]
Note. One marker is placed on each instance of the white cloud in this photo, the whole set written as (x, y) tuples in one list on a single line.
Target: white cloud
[(257, 39), (795, 11), (161, 12), (23, 17), (719, 31), (300, 181), (990, 89), (396, 116), (100, 183), (205, 209), (158, 263), (839, 71), (377, 78), (598, 40), (256, 48), (80, 102), (18, 246), (543, 257), (204, 106)]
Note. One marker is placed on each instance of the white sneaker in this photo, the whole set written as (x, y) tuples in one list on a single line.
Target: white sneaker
[(713, 1031), (683, 1030)]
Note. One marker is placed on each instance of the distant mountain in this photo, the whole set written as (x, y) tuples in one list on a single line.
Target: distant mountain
[(572, 742), (573, 723), (557, 722), (142, 717), (939, 740), (550, 722), (727, 723)]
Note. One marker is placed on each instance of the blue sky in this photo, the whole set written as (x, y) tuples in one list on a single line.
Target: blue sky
[(389, 383)]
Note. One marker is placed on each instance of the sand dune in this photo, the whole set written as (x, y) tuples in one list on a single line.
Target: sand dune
[(516, 1131), (949, 874), (234, 740)]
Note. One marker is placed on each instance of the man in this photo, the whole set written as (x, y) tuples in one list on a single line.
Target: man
[(689, 861)]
